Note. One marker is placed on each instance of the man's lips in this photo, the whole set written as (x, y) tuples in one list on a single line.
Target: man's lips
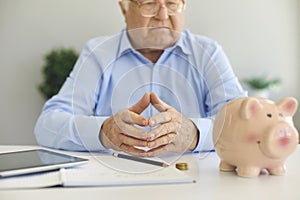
[(160, 27)]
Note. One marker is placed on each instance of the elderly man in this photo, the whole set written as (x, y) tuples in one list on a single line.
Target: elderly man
[(150, 90)]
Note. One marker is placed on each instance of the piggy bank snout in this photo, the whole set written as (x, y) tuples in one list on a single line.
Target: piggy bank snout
[(280, 141)]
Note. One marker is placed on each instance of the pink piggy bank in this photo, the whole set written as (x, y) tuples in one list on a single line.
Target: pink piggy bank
[(251, 134)]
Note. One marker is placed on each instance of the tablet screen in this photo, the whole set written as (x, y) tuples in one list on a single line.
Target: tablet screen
[(22, 162)]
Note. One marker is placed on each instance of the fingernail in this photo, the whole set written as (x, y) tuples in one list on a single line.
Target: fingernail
[(144, 122), (152, 122)]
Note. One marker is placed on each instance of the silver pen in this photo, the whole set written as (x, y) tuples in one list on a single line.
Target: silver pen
[(142, 160)]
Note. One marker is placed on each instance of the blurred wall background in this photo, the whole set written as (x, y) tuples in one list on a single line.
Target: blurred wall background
[(260, 37)]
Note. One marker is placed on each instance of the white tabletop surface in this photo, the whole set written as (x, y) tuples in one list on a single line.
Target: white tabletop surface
[(210, 184)]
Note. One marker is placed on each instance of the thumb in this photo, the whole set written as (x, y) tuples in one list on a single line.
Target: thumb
[(141, 105), (160, 105)]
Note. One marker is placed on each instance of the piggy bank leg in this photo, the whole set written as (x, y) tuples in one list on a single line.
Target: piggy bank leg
[(224, 166), (248, 171), (279, 170)]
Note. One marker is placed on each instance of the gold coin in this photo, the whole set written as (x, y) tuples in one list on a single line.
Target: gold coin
[(182, 166)]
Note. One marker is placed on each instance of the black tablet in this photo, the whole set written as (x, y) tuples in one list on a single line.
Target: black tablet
[(37, 160)]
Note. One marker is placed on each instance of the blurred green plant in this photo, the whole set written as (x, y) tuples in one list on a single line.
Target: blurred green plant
[(261, 83), (58, 64)]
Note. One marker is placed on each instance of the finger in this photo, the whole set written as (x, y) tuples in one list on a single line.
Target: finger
[(161, 130), (133, 151), (141, 105), (133, 118), (160, 118), (131, 141), (117, 140), (132, 131), (158, 103), (162, 141), (162, 150)]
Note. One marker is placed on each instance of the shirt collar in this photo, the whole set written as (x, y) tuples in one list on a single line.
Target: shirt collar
[(125, 44), (182, 44)]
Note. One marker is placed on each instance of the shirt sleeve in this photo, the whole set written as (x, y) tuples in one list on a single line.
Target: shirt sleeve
[(67, 120), (222, 86), (62, 130)]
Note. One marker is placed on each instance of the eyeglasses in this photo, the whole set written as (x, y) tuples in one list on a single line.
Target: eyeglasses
[(150, 8)]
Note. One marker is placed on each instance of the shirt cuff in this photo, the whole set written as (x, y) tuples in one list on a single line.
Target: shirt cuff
[(88, 129), (205, 140)]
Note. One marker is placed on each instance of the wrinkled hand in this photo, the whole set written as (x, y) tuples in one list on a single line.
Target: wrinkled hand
[(174, 132), (120, 133)]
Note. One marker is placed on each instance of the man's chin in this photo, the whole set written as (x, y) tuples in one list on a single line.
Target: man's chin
[(162, 37), (153, 38)]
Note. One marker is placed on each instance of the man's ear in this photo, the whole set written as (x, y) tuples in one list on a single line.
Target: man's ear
[(123, 7)]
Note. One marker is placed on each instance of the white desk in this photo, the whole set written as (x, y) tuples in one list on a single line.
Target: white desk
[(211, 184)]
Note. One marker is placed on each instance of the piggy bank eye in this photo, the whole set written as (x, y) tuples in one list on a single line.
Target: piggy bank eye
[(269, 115)]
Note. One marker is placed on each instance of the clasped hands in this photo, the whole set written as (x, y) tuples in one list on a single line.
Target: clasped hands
[(172, 132)]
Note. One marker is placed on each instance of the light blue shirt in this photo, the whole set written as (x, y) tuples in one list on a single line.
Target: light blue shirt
[(194, 76)]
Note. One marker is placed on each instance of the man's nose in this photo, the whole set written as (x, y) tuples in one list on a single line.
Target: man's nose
[(162, 12)]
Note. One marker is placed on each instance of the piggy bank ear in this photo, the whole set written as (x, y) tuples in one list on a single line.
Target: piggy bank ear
[(250, 107), (287, 106)]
